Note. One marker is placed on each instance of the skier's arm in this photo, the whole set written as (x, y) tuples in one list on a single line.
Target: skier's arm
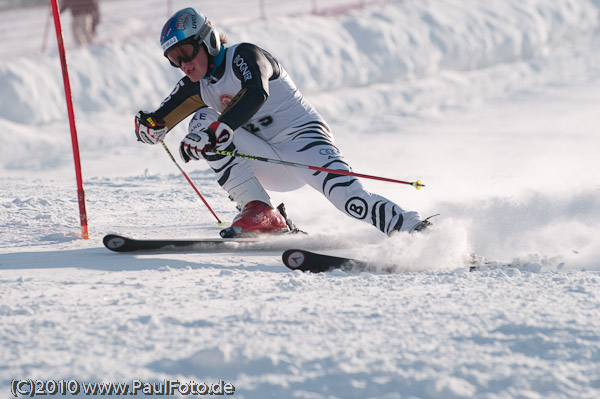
[(183, 101), (152, 127), (254, 67)]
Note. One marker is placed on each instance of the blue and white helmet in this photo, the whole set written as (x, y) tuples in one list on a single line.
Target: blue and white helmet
[(186, 26)]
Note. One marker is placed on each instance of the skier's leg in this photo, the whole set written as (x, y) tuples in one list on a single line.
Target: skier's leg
[(234, 171), (345, 192), (88, 27), (237, 177), (78, 27)]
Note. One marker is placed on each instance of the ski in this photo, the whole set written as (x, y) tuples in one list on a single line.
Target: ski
[(299, 259), (307, 261), (118, 243), (264, 242)]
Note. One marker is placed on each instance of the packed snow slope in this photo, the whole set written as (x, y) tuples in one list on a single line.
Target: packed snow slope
[(493, 105)]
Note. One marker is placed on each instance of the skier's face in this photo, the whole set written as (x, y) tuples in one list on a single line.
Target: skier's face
[(196, 68)]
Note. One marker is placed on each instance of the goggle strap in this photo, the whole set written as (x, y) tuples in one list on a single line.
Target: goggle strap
[(204, 31)]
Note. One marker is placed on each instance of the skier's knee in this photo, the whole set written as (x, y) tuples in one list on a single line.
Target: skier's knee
[(202, 119)]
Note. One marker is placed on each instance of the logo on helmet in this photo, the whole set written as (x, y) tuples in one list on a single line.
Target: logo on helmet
[(182, 21), (169, 43)]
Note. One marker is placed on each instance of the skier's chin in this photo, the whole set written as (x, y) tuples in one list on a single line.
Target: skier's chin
[(194, 76)]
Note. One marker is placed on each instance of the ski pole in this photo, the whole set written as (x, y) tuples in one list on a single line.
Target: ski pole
[(219, 221), (416, 184)]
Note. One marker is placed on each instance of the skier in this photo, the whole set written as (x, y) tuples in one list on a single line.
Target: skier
[(86, 17), (244, 100)]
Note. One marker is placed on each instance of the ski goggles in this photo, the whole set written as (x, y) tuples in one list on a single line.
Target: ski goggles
[(182, 53)]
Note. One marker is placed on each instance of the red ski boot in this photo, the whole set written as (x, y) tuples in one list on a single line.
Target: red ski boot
[(256, 218)]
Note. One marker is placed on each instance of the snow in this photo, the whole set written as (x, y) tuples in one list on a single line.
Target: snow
[(493, 105)]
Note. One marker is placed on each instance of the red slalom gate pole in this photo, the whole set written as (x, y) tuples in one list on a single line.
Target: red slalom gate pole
[(75, 144)]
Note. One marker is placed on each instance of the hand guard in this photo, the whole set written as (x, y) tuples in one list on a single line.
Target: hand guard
[(194, 144), (149, 129), (222, 132)]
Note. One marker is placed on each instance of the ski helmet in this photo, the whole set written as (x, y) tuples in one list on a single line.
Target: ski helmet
[(187, 26)]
